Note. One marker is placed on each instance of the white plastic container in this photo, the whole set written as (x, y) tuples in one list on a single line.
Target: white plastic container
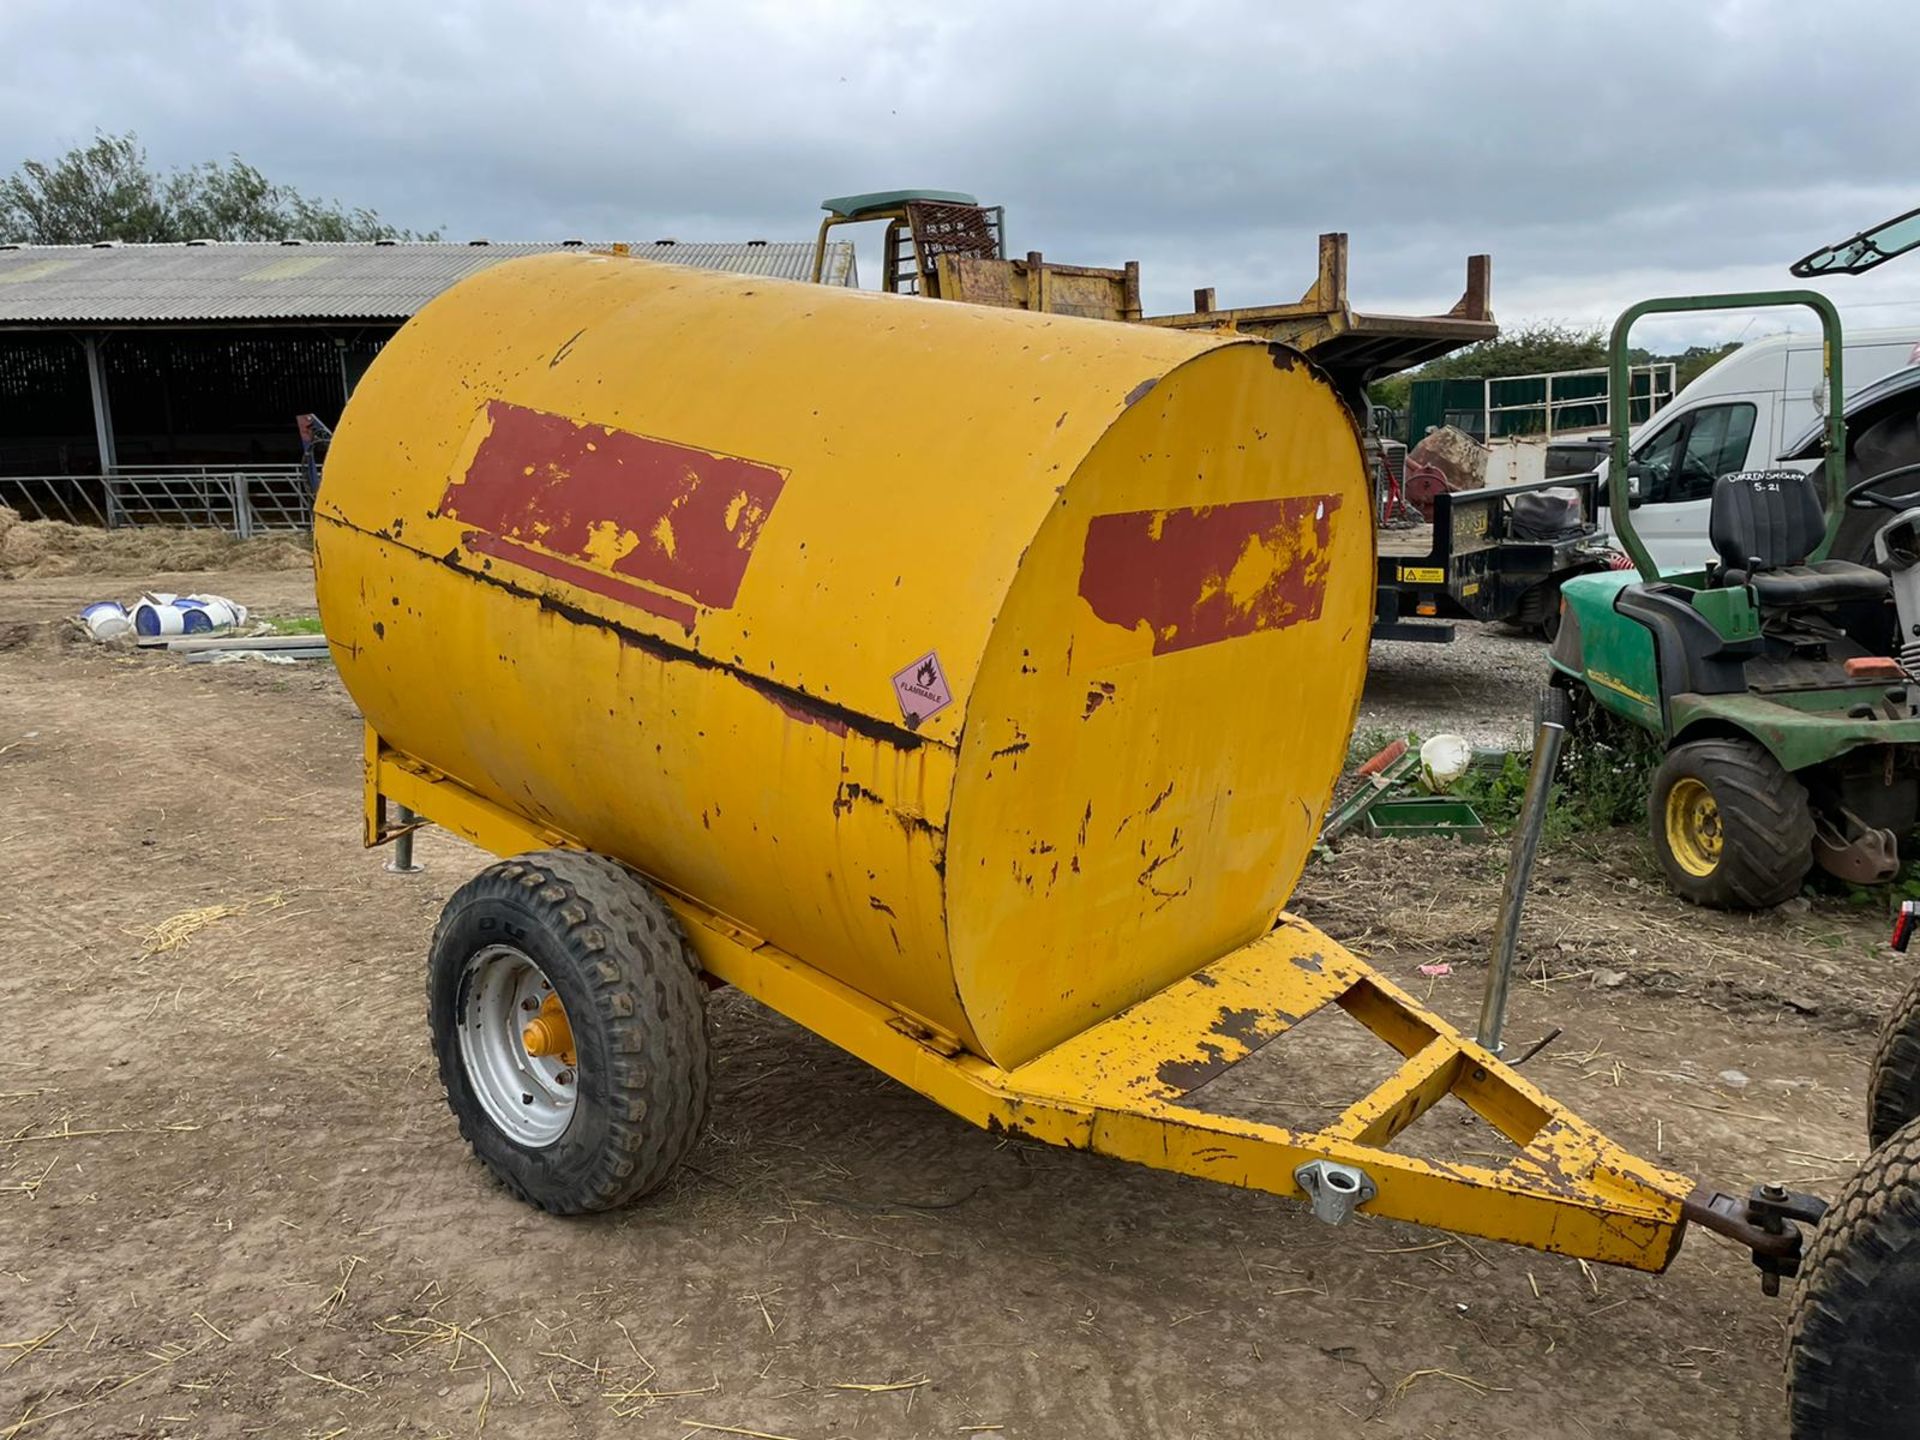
[(105, 619), (158, 615), (1443, 760)]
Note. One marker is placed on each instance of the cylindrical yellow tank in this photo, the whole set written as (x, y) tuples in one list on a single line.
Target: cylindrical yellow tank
[(999, 665)]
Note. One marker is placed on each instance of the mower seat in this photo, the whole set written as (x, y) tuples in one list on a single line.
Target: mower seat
[(1764, 524)]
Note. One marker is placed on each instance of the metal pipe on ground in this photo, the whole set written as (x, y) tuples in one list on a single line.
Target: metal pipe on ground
[(1549, 736), (194, 644)]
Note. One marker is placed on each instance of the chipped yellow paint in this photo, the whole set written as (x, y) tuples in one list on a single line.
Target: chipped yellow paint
[(751, 748), (1132, 1087), (663, 535), (1009, 901), (608, 542), (1256, 567)]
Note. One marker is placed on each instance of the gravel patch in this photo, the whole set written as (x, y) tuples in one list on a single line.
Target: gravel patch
[(1481, 686)]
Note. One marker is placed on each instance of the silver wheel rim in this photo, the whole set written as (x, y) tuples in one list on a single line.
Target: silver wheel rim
[(530, 1098)]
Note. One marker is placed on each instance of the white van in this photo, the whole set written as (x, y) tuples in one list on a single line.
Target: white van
[(1739, 415)]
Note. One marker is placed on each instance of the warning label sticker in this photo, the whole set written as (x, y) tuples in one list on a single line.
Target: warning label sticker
[(922, 689)]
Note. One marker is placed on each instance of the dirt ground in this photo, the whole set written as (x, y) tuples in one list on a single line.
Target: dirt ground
[(232, 1201)]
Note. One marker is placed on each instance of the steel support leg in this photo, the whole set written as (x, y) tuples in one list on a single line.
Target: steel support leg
[(402, 861), (1555, 715)]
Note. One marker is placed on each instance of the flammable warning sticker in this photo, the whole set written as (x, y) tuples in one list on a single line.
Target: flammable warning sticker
[(922, 690)]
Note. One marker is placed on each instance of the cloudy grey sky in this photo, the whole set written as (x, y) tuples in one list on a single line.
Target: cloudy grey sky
[(1600, 152)]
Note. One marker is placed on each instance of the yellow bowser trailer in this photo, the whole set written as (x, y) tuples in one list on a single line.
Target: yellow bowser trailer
[(966, 684)]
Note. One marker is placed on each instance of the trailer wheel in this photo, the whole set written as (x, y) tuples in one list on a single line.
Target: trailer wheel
[(1732, 829), (1893, 1096), (1853, 1371), (570, 1026), (1539, 610)]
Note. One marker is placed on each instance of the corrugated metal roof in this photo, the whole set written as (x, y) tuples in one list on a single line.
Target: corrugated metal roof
[(197, 283)]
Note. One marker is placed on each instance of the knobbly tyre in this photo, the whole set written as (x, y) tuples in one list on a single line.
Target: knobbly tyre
[(622, 562)]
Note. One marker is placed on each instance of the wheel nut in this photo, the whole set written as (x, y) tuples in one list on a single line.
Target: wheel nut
[(529, 1004), (565, 1077)]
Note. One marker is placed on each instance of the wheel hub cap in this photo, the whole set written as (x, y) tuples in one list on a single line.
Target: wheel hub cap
[(549, 1035), (1693, 826), (517, 1046)]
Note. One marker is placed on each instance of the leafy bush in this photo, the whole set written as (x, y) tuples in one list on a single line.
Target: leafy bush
[(1605, 770)]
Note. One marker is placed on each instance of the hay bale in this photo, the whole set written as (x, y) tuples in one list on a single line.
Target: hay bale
[(40, 549), (22, 548), (281, 552)]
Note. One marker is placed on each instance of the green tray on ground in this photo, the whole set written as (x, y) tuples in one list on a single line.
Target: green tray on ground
[(1425, 815)]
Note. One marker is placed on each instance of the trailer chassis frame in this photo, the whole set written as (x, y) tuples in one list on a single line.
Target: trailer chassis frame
[(1127, 1087)]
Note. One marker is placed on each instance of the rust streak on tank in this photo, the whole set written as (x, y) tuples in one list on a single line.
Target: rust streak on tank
[(810, 714), (795, 703)]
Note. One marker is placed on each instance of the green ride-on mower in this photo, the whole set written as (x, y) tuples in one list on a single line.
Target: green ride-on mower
[(1774, 678), (1781, 681)]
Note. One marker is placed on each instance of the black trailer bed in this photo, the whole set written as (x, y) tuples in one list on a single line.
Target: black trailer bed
[(1484, 557)]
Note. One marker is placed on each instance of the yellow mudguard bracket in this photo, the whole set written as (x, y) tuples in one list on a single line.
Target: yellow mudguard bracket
[(1134, 1086)]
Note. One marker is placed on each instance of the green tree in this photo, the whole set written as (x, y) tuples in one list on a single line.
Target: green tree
[(108, 190), (1533, 349), (1696, 360), (1536, 349), (1392, 393)]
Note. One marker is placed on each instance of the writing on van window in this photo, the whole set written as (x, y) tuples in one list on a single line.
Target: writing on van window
[(1683, 460)]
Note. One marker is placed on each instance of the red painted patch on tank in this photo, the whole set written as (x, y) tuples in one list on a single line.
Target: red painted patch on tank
[(1211, 573), (611, 503), (667, 607)]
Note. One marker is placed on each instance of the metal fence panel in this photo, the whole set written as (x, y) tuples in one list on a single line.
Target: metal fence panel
[(75, 499), (240, 500)]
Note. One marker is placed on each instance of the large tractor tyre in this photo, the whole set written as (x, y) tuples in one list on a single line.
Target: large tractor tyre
[(1853, 1369), (569, 1020), (1893, 1094), (1732, 829)]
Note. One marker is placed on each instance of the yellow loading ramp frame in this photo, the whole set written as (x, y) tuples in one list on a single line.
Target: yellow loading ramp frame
[(1125, 1087), (945, 245)]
